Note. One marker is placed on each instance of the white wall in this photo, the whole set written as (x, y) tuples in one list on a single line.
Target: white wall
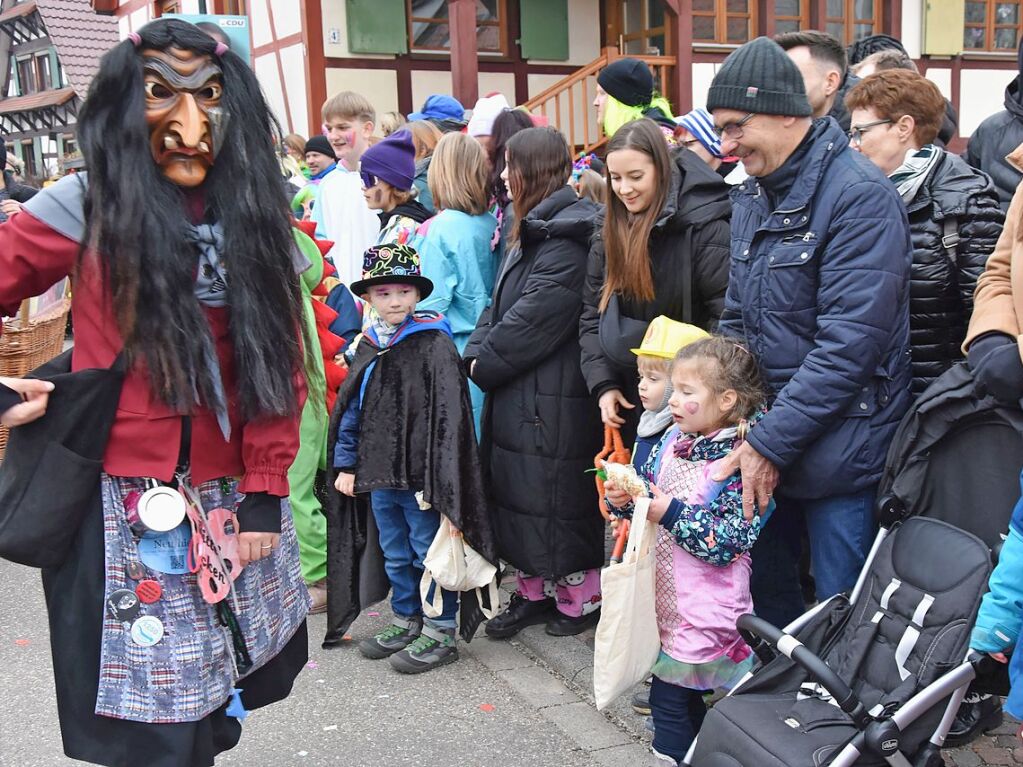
[(981, 92), (913, 26), (380, 85)]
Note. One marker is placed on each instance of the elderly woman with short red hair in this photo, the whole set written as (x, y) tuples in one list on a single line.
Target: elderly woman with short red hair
[(953, 210)]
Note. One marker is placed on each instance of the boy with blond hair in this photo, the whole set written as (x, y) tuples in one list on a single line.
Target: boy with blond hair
[(341, 213)]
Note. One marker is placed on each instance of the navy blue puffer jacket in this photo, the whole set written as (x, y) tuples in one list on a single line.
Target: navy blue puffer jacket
[(819, 288)]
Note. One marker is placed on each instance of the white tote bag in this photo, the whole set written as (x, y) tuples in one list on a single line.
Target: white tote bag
[(627, 642), (454, 565)]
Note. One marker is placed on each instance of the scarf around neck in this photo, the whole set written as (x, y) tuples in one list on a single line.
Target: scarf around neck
[(211, 290), (910, 176)]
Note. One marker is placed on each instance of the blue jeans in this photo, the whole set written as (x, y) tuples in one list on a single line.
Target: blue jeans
[(678, 713), (841, 530), (406, 532)]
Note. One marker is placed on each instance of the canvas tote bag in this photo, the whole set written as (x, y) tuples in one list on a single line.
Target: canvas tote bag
[(454, 565), (627, 643)]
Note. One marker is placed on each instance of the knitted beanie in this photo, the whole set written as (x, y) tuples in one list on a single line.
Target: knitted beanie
[(392, 160), (629, 81), (759, 77), (320, 145), (701, 125)]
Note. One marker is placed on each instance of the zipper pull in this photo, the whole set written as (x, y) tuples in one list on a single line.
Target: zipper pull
[(808, 236)]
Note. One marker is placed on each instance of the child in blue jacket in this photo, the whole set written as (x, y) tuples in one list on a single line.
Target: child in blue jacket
[(1001, 616)]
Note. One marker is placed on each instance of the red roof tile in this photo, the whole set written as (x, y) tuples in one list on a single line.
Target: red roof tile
[(81, 36)]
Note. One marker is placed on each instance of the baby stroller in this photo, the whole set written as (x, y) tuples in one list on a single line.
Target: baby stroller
[(876, 677)]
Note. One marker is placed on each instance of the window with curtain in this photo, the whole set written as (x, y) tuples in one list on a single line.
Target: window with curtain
[(429, 30), (732, 22), (992, 25)]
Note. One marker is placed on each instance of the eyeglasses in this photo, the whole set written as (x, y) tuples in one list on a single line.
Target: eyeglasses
[(733, 130), (856, 134), (690, 142)]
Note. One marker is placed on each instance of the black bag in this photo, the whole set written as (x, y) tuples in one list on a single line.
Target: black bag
[(50, 473)]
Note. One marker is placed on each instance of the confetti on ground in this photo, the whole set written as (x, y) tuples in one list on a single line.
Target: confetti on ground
[(312, 664), (320, 681), (330, 728), (22, 642), (348, 637), (486, 707), (373, 614), (303, 753)]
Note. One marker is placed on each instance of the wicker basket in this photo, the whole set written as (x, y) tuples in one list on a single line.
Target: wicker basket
[(27, 343)]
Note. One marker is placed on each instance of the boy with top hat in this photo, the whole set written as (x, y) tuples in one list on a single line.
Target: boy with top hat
[(404, 435)]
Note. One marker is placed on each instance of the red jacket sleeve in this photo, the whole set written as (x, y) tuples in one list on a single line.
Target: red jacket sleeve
[(269, 447), (32, 258)]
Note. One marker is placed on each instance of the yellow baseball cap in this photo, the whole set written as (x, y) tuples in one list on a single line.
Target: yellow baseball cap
[(664, 337)]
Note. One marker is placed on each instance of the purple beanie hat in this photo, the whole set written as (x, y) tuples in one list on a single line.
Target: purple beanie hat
[(392, 160)]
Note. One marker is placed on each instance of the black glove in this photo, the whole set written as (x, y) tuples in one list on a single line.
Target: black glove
[(997, 367), (259, 513)]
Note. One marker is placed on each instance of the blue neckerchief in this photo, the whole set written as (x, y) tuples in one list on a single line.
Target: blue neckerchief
[(417, 322), (319, 176)]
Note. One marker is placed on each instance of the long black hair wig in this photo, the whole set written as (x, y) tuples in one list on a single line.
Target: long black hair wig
[(136, 220)]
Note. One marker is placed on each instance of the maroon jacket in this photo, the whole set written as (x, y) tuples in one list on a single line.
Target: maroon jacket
[(146, 435)]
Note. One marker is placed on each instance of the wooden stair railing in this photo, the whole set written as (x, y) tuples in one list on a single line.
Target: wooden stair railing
[(568, 103)]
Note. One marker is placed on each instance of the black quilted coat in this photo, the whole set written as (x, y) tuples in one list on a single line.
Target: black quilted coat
[(541, 428), (941, 297)]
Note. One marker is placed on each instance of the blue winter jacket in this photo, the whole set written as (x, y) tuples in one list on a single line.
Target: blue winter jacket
[(819, 289)]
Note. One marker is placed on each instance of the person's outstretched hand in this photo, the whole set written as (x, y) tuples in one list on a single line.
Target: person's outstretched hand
[(35, 395), (609, 403), (759, 477)]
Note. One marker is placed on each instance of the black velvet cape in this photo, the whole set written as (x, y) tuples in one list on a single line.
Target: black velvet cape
[(416, 434)]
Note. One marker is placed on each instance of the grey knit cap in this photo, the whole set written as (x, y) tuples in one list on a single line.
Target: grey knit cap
[(759, 77)]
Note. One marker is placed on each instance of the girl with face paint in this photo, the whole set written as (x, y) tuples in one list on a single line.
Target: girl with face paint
[(388, 172), (703, 564)]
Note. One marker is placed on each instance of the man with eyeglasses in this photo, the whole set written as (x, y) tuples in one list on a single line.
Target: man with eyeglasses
[(819, 291)]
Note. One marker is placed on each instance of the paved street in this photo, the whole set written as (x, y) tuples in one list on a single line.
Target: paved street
[(497, 706), (523, 703)]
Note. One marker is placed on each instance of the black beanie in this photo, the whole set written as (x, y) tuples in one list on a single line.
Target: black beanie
[(629, 81), (759, 77), (320, 145)]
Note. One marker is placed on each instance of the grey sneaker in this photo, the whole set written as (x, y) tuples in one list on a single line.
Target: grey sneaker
[(434, 647), (399, 635)]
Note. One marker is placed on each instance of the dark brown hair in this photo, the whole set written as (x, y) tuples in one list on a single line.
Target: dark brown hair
[(627, 236), (592, 186), (539, 164), (733, 367), (823, 47), (893, 93), (507, 124)]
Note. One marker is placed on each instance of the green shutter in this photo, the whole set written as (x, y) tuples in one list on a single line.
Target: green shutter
[(944, 21), (544, 29), (377, 26)]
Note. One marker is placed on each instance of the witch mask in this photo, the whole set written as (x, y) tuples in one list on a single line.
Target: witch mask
[(183, 112)]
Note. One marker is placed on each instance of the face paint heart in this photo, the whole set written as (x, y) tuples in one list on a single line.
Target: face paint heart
[(692, 408)]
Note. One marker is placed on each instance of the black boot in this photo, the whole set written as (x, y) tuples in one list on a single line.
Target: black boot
[(564, 626), (977, 715), (521, 612)]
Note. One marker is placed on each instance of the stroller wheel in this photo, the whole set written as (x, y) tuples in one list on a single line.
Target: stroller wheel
[(929, 756)]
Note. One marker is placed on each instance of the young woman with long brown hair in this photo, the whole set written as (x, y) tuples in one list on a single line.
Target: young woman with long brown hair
[(540, 424), (662, 250)]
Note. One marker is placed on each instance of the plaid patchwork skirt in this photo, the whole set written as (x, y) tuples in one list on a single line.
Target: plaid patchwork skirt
[(190, 672)]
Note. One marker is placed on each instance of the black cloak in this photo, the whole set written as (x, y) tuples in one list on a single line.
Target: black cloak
[(419, 388)]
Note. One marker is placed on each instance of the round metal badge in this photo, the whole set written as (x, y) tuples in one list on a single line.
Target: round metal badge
[(147, 631), (161, 509), (124, 605)]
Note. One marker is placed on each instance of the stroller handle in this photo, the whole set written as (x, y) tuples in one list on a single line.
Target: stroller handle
[(797, 652)]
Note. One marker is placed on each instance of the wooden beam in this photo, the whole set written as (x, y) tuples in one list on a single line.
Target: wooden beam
[(315, 66), (464, 56), (765, 18), (819, 14), (682, 75), (891, 18)]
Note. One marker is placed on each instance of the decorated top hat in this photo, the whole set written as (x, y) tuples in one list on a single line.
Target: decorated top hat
[(390, 264)]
